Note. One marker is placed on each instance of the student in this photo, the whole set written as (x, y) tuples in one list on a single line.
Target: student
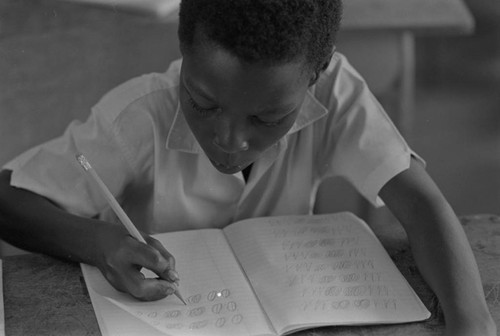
[(257, 113)]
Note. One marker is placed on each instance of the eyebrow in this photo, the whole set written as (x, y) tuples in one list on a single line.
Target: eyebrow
[(199, 91), (281, 110)]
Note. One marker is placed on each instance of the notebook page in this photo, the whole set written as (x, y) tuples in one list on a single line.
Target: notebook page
[(113, 321), (220, 301), (322, 270)]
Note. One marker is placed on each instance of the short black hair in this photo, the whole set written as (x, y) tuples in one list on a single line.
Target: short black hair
[(265, 31)]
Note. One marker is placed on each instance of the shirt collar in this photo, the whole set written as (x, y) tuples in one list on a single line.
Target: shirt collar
[(181, 138), (310, 111)]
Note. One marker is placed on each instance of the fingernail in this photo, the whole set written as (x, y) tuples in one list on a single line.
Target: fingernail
[(173, 275), (169, 290)]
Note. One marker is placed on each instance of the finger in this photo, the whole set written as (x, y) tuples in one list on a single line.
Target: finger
[(148, 289), (170, 273), (128, 278), (160, 248), (149, 257)]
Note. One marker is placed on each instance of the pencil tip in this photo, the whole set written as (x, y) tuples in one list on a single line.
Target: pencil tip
[(180, 297)]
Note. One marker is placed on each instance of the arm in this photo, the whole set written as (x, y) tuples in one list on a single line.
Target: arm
[(441, 250), (32, 222)]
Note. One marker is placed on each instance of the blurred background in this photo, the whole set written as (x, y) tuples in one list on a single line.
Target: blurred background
[(58, 58), (457, 116)]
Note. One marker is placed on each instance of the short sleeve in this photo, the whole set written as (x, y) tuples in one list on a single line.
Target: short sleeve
[(51, 169), (359, 142)]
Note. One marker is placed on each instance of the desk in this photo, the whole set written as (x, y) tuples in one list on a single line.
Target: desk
[(419, 16), (378, 37), (45, 296)]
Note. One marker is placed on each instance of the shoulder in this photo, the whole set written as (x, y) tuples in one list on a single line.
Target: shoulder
[(139, 113), (344, 93), (151, 94), (340, 85)]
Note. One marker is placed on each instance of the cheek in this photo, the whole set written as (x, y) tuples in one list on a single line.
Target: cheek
[(198, 126), (260, 137), (265, 137), (201, 129)]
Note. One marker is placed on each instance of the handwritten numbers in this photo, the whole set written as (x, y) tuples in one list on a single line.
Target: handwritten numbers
[(362, 304), (208, 310), (172, 314), (196, 312), (194, 299), (236, 319), (217, 308), (231, 306), (225, 293), (220, 322), (198, 325), (174, 325), (212, 295)]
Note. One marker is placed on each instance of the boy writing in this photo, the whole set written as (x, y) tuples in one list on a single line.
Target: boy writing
[(258, 112)]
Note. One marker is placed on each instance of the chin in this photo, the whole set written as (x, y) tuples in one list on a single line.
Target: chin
[(232, 169)]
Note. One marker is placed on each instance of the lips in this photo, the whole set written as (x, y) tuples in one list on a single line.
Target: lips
[(228, 164), (227, 169)]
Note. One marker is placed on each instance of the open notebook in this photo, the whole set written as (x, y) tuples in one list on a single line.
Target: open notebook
[(267, 276)]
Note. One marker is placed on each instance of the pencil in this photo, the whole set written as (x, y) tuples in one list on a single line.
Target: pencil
[(132, 230)]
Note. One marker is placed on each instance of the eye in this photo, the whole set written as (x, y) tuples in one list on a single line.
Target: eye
[(268, 123), (204, 112)]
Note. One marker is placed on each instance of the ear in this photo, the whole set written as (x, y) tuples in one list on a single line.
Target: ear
[(323, 67)]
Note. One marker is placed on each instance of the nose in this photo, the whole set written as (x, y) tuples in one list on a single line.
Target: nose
[(230, 137)]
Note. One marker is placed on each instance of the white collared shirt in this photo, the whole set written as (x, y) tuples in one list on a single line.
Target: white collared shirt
[(138, 141)]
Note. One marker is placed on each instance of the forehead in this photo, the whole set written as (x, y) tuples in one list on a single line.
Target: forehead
[(215, 69)]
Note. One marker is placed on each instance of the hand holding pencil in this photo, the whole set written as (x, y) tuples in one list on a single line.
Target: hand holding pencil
[(152, 256)]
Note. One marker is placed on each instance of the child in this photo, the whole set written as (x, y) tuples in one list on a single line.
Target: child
[(257, 113)]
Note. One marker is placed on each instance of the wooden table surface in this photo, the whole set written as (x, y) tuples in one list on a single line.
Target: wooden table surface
[(418, 16), (46, 296)]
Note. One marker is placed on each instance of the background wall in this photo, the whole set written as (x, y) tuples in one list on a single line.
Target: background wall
[(457, 128), (57, 59)]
